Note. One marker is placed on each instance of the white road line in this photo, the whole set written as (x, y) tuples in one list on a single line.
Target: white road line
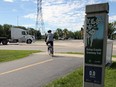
[(28, 66)]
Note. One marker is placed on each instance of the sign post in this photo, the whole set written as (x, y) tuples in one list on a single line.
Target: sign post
[(96, 24)]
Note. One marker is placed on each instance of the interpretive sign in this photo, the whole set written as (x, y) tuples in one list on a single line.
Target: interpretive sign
[(96, 24), (94, 39)]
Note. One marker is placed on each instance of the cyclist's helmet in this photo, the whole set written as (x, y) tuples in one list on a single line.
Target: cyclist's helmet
[(49, 31)]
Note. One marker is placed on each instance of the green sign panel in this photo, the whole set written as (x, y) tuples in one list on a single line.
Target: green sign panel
[(94, 39)]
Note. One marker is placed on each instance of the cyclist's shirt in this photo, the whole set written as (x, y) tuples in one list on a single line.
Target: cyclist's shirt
[(50, 37)]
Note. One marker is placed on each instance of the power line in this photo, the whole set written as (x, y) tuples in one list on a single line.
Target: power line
[(39, 17)]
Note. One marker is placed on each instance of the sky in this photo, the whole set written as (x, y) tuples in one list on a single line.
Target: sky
[(69, 14)]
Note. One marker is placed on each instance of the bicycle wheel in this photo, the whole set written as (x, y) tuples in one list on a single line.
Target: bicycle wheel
[(50, 51)]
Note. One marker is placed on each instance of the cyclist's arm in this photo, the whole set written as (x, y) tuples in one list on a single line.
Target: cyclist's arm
[(45, 38), (53, 36)]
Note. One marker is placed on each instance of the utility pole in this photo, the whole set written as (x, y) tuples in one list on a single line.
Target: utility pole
[(17, 20), (39, 17)]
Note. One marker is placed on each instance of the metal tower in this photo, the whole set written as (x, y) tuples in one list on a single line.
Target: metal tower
[(39, 17)]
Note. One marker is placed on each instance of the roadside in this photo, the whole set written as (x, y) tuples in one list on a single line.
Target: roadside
[(64, 54), (77, 55), (75, 78), (113, 59), (70, 80)]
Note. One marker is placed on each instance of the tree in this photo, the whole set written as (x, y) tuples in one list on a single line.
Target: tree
[(38, 35), (65, 34), (56, 35), (82, 32), (31, 31), (71, 34), (22, 27), (7, 31), (111, 29), (59, 33), (77, 35), (1, 31)]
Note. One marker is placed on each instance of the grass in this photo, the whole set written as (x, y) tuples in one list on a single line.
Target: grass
[(73, 53), (114, 56), (75, 79), (9, 55), (110, 76)]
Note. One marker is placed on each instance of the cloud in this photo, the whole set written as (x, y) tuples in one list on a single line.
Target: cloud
[(112, 0), (112, 18), (28, 25), (30, 16), (25, 0), (68, 14), (14, 10), (65, 15), (9, 0)]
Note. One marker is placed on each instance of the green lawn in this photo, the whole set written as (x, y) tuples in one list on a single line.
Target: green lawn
[(75, 79), (114, 56), (9, 55), (110, 76), (73, 53)]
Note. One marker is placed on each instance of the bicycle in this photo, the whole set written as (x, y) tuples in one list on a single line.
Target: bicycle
[(50, 50)]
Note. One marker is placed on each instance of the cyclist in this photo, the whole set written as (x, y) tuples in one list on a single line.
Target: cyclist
[(49, 38)]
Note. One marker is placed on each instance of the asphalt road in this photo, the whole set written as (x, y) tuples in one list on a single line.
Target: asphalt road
[(60, 46), (36, 70)]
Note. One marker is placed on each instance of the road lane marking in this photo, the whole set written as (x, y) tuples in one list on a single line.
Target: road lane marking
[(28, 66)]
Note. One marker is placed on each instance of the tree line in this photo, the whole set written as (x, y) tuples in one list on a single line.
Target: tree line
[(66, 34), (59, 34)]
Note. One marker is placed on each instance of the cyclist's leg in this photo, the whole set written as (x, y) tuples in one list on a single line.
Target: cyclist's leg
[(47, 44), (51, 43)]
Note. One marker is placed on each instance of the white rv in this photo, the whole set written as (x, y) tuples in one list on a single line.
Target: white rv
[(21, 35), (18, 35)]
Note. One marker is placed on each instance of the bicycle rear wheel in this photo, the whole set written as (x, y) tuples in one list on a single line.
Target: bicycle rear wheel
[(50, 51)]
